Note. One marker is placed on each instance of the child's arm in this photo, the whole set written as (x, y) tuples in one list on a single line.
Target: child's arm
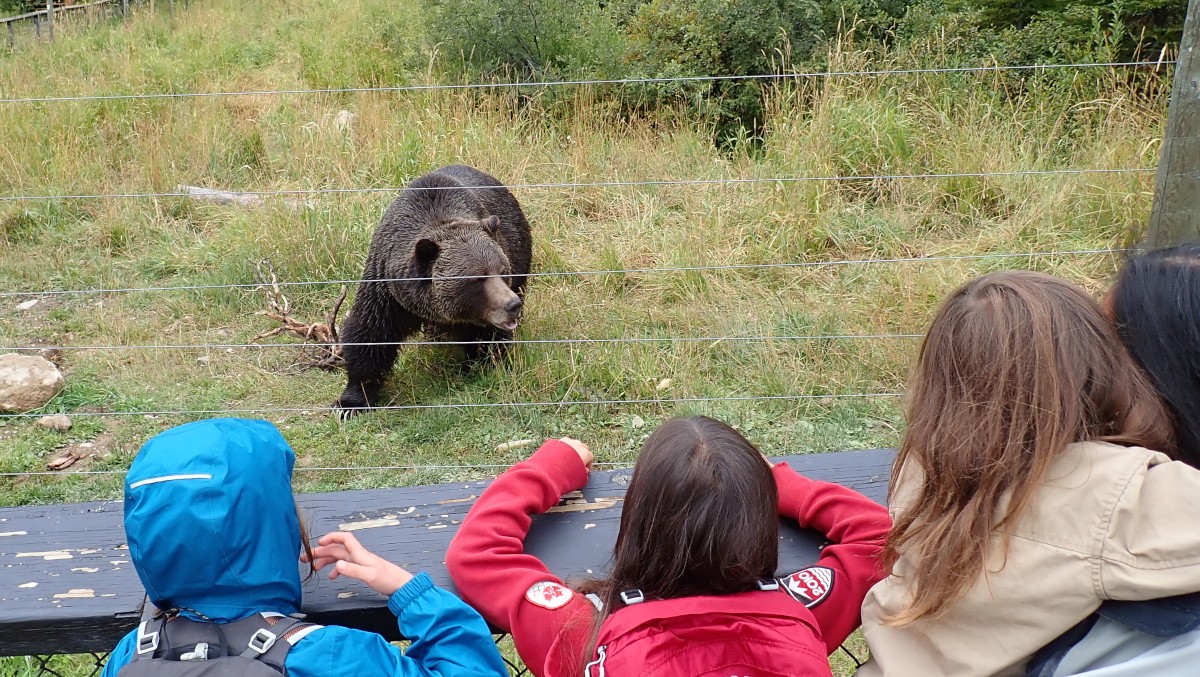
[(449, 639), (1150, 546), (834, 588), (512, 589), (121, 654)]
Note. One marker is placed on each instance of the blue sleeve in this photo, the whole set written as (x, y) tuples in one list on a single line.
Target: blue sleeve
[(449, 639), (120, 655)]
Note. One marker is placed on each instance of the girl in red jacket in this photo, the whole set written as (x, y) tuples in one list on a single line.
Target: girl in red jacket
[(692, 591)]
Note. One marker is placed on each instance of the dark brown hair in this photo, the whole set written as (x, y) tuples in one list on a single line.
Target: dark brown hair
[(306, 545), (700, 517), (1155, 305), (1015, 366)]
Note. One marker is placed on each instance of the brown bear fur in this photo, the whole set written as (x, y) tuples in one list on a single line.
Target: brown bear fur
[(469, 248)]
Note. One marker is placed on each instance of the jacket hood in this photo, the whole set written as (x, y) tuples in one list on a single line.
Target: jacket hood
[(211, 521)]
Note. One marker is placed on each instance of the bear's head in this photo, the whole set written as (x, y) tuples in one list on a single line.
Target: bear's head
[(467, 266)]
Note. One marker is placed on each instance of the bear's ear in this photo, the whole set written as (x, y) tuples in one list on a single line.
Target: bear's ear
[(426, 251), (491, 225)]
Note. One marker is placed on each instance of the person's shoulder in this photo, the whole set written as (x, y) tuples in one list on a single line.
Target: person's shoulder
[(1104, 460)]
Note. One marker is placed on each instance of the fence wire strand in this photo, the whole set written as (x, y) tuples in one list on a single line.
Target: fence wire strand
[(580, 273), (766, 338), (465, 405), (348, 468), (592, 184), (579, 83)]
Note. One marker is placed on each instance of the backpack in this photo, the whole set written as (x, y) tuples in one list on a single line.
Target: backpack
[(752, 634), (181, 647)]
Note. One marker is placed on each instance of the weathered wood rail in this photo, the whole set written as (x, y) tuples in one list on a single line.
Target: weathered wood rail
[(67, 585)]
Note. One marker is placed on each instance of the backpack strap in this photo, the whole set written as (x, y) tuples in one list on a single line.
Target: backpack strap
[(267, 637), (148, 634), (262, 637)]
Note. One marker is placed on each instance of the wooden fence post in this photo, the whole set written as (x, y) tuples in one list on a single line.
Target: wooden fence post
[(37, 27), (50, 18), (1175, 214), (124, 9), (11, 39)]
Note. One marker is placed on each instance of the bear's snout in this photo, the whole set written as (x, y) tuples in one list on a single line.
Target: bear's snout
[(503, 304)]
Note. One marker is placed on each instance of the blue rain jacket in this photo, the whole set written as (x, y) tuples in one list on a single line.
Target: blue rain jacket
[(212, 529)]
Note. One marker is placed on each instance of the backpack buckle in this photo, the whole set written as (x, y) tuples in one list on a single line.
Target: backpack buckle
[(632, 597), (200, 653), (147, 642), (261, 641), (768, 584)]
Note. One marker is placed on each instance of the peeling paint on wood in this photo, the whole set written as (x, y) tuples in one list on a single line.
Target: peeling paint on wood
[(598, 504), (368, 524), (54, 554)]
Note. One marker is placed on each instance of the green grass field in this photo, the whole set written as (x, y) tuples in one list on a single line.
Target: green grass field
[(856, 125)]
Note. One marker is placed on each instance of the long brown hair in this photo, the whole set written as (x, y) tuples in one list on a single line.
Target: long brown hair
[(700, 517), (1015, 366)]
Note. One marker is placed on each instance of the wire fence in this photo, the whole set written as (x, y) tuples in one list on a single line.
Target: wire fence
[(585, 83), (598, 184), (582, 273)]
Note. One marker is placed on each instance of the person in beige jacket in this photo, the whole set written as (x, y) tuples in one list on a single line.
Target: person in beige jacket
[(1026, 491)]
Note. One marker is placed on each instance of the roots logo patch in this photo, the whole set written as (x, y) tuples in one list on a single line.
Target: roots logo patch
[(549, 595), (809, 586)]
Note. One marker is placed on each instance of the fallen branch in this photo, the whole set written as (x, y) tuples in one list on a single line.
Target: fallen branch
[(228, 197), (322, 335)]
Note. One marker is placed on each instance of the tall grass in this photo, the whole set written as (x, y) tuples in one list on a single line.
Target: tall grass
[(855, 125)]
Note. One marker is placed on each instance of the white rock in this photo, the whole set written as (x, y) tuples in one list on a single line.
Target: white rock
[(26, 305), (27, 382), (58, 422)]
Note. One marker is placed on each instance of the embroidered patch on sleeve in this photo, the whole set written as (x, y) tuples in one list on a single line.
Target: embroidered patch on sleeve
[(549, 595), (809, 586)]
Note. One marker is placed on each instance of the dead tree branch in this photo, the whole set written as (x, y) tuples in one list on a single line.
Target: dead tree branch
[(325, 351)]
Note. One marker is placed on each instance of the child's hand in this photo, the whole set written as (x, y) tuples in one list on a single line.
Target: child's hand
[(350, 558), (580, 448)]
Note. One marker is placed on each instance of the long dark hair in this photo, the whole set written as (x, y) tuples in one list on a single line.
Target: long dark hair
[(1155, 306), (1015, 367), (700, 517)]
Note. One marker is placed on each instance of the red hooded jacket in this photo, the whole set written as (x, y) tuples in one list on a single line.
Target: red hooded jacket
[(788, 631)]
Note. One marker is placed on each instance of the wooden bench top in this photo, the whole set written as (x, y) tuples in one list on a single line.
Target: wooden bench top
[(67, 584)]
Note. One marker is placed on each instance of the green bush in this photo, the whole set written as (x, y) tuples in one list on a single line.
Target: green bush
[(1050, 30), (532, 39), (13, 7), (549, 39), (668, 38)]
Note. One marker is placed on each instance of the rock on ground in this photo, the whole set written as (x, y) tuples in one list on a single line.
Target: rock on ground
[(58, 422), (27, 382)]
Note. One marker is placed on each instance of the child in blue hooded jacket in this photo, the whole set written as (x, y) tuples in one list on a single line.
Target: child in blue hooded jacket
[(214, 535)]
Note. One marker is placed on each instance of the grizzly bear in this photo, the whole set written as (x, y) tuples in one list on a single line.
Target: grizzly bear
[(450, 256)]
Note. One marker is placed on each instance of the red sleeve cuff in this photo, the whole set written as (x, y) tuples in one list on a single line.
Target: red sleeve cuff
[(561, 464), (794, 489)]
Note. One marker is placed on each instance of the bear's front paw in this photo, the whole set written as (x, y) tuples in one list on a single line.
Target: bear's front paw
[(348, 407)]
